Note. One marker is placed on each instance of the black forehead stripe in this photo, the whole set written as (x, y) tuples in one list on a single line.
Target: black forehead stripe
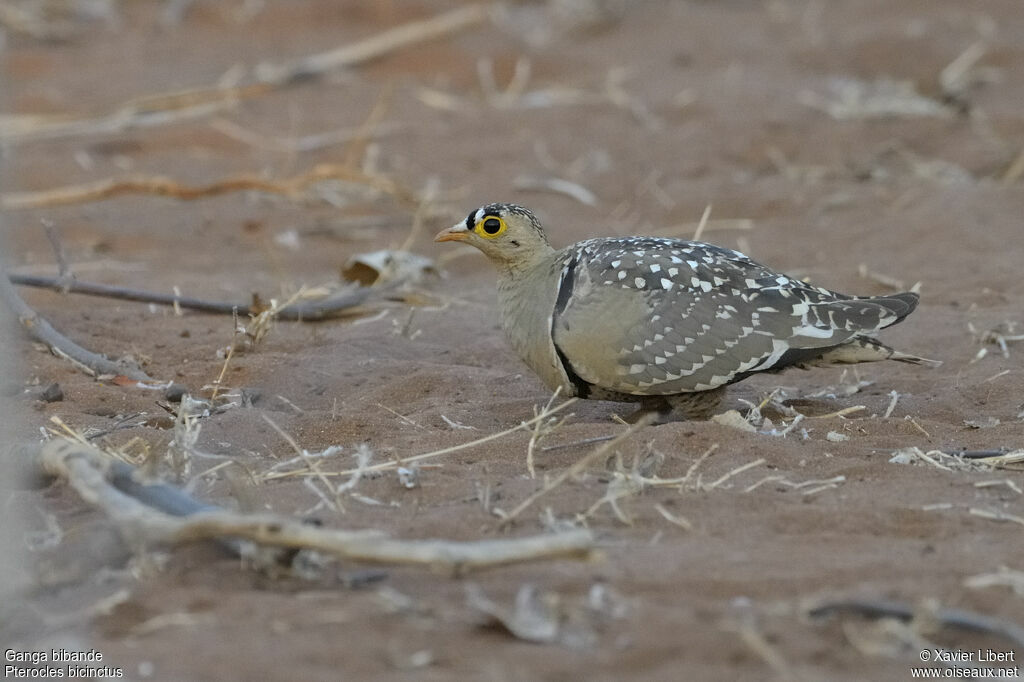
[(469, 221)]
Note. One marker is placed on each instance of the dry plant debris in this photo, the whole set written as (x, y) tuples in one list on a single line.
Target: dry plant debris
[(963, 461), (930, 613), (406, 461), (85, 469), (296, 187), (85, 360), (177, 106), (325, 303), (578, 468), (549, 617), (387, 265), (1004, 577), (850, 99)]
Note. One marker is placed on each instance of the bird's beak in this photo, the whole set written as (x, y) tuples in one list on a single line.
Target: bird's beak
[(455, 233)]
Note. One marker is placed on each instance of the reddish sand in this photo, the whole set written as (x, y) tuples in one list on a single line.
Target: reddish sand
[(677, 105)]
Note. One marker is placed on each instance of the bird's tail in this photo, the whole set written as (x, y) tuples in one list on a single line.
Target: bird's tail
[(900, 305)]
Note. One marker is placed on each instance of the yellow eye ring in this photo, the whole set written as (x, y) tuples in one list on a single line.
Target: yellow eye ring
[(490, 226)]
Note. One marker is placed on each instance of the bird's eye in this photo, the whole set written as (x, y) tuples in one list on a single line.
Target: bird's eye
[(490, 227)]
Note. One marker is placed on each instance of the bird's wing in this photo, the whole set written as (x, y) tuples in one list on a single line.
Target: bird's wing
[(651, 316)]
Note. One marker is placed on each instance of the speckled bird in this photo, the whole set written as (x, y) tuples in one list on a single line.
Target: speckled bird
[(664, 322)]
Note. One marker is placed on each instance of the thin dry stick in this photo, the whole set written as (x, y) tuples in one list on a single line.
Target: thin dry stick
[(293, 187), (335, 304), (696, 465), (840, 413), (702, 224), (386, 466), (83, 467), (576, 468), (893, 398), (1015, 170), (367, 50), (143, 112), (293, 145), (171, 107), (91, 363), (536, 435), (996, 515), (735, 472), (966, 620), (357, 147)]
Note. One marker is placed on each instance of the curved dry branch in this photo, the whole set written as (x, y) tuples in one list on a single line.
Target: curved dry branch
[(293, 187), (309, 311), (89, 362), (89, 471)]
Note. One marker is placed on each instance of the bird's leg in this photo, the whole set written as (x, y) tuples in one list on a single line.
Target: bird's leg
[(658, 406), (699, 406)]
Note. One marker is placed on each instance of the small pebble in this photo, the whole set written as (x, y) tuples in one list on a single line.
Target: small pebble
[(175, 392), (52, 393)]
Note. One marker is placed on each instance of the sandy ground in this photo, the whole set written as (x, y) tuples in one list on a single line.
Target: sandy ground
[(789, 117)]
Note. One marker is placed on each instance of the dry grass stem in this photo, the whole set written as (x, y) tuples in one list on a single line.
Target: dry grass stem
[(885, 280), (382, 44), (851, 99), (143, 112), (1003, 577), (674, 519), (734, 472), (542, 428), (178, 106), (961, 460), (577, 443), (840, 413), (84, 468), (809, 487), (920, 429), (386, 466), (1005, 482), (1000, 516), (696, 465), (577, 468), (717, 225), (893, 398), (573, 190), (1015, 170), (295, 145), (702, 224), (746, 628), (295, 188)]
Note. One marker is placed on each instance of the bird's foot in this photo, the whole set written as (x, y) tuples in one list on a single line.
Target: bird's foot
[(660, 412)]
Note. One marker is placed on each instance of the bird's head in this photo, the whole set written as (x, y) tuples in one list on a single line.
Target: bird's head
[(510, 235)]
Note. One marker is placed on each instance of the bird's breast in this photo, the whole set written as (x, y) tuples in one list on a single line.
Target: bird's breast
[(527, 305)]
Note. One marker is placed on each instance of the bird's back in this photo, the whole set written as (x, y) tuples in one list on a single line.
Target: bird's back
[(650, 316)]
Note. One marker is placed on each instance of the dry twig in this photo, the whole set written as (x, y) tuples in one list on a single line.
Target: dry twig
[(575, 469), (172, 107), (85, 470), (336, 304), (91, 363), (293, 188), (957, 618)]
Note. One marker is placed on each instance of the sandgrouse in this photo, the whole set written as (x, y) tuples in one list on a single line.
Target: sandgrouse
[(664, 322)]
